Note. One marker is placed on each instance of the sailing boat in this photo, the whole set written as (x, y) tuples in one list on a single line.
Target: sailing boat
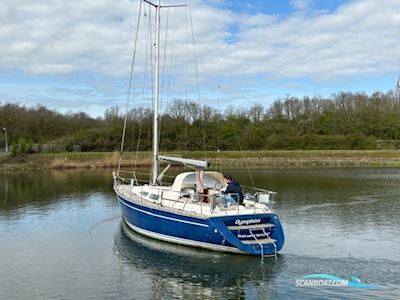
[(190, 211)]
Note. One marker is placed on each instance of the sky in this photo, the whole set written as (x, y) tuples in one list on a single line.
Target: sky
[(76, 55)]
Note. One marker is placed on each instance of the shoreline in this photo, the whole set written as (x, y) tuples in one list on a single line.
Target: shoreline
[(261, 158)]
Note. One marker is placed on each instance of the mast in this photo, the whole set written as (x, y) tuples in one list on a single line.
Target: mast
[(156, 98)]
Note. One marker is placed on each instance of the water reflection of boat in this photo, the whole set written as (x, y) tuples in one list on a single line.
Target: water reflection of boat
[(186, 272)]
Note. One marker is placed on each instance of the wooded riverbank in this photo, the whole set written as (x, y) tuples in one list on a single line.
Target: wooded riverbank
[(345, 121), (273, 158)]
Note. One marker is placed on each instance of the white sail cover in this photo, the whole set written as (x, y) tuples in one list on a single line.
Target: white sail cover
[(188, 180), (189, 162)]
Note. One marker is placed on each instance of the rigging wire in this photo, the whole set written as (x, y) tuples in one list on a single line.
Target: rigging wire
[(163, 71), (137, 114), (169, 63), (219, 161), (219, 141), (133, 135), (129, 89), (185, 121), (145, 83), (152, 44), (197, 77), (241, 152), (203, 116)]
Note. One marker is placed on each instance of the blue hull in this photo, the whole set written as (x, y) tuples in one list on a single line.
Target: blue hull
[(210, 233)]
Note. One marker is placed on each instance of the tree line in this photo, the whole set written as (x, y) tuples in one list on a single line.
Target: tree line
[(342, 121)]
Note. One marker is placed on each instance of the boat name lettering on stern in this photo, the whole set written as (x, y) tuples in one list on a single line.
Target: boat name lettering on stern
[(247, 222), (245, 236)]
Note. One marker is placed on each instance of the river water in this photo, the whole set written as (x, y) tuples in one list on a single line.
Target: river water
[(61, 237)]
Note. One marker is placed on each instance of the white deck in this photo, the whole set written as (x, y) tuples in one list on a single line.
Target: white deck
[(174, 201)]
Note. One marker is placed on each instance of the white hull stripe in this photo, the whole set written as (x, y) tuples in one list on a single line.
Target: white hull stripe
[(181, 241), (160, 216)]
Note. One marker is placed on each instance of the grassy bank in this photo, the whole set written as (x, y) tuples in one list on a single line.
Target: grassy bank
[(71, 160)]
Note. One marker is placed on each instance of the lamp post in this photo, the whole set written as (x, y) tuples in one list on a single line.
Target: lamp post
[(5, 133)]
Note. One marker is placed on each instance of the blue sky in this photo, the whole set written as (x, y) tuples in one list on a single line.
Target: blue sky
[(75, 55), (279, 7)]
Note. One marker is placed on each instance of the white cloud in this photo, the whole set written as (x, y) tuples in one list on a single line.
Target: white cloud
[(70, 37), (301, 4), (56, 37), (357, 39)]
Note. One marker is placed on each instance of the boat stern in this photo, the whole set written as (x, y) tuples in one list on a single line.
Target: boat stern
[(259, 234)]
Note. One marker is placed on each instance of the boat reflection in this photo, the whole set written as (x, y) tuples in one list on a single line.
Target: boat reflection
[(184, 272)]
